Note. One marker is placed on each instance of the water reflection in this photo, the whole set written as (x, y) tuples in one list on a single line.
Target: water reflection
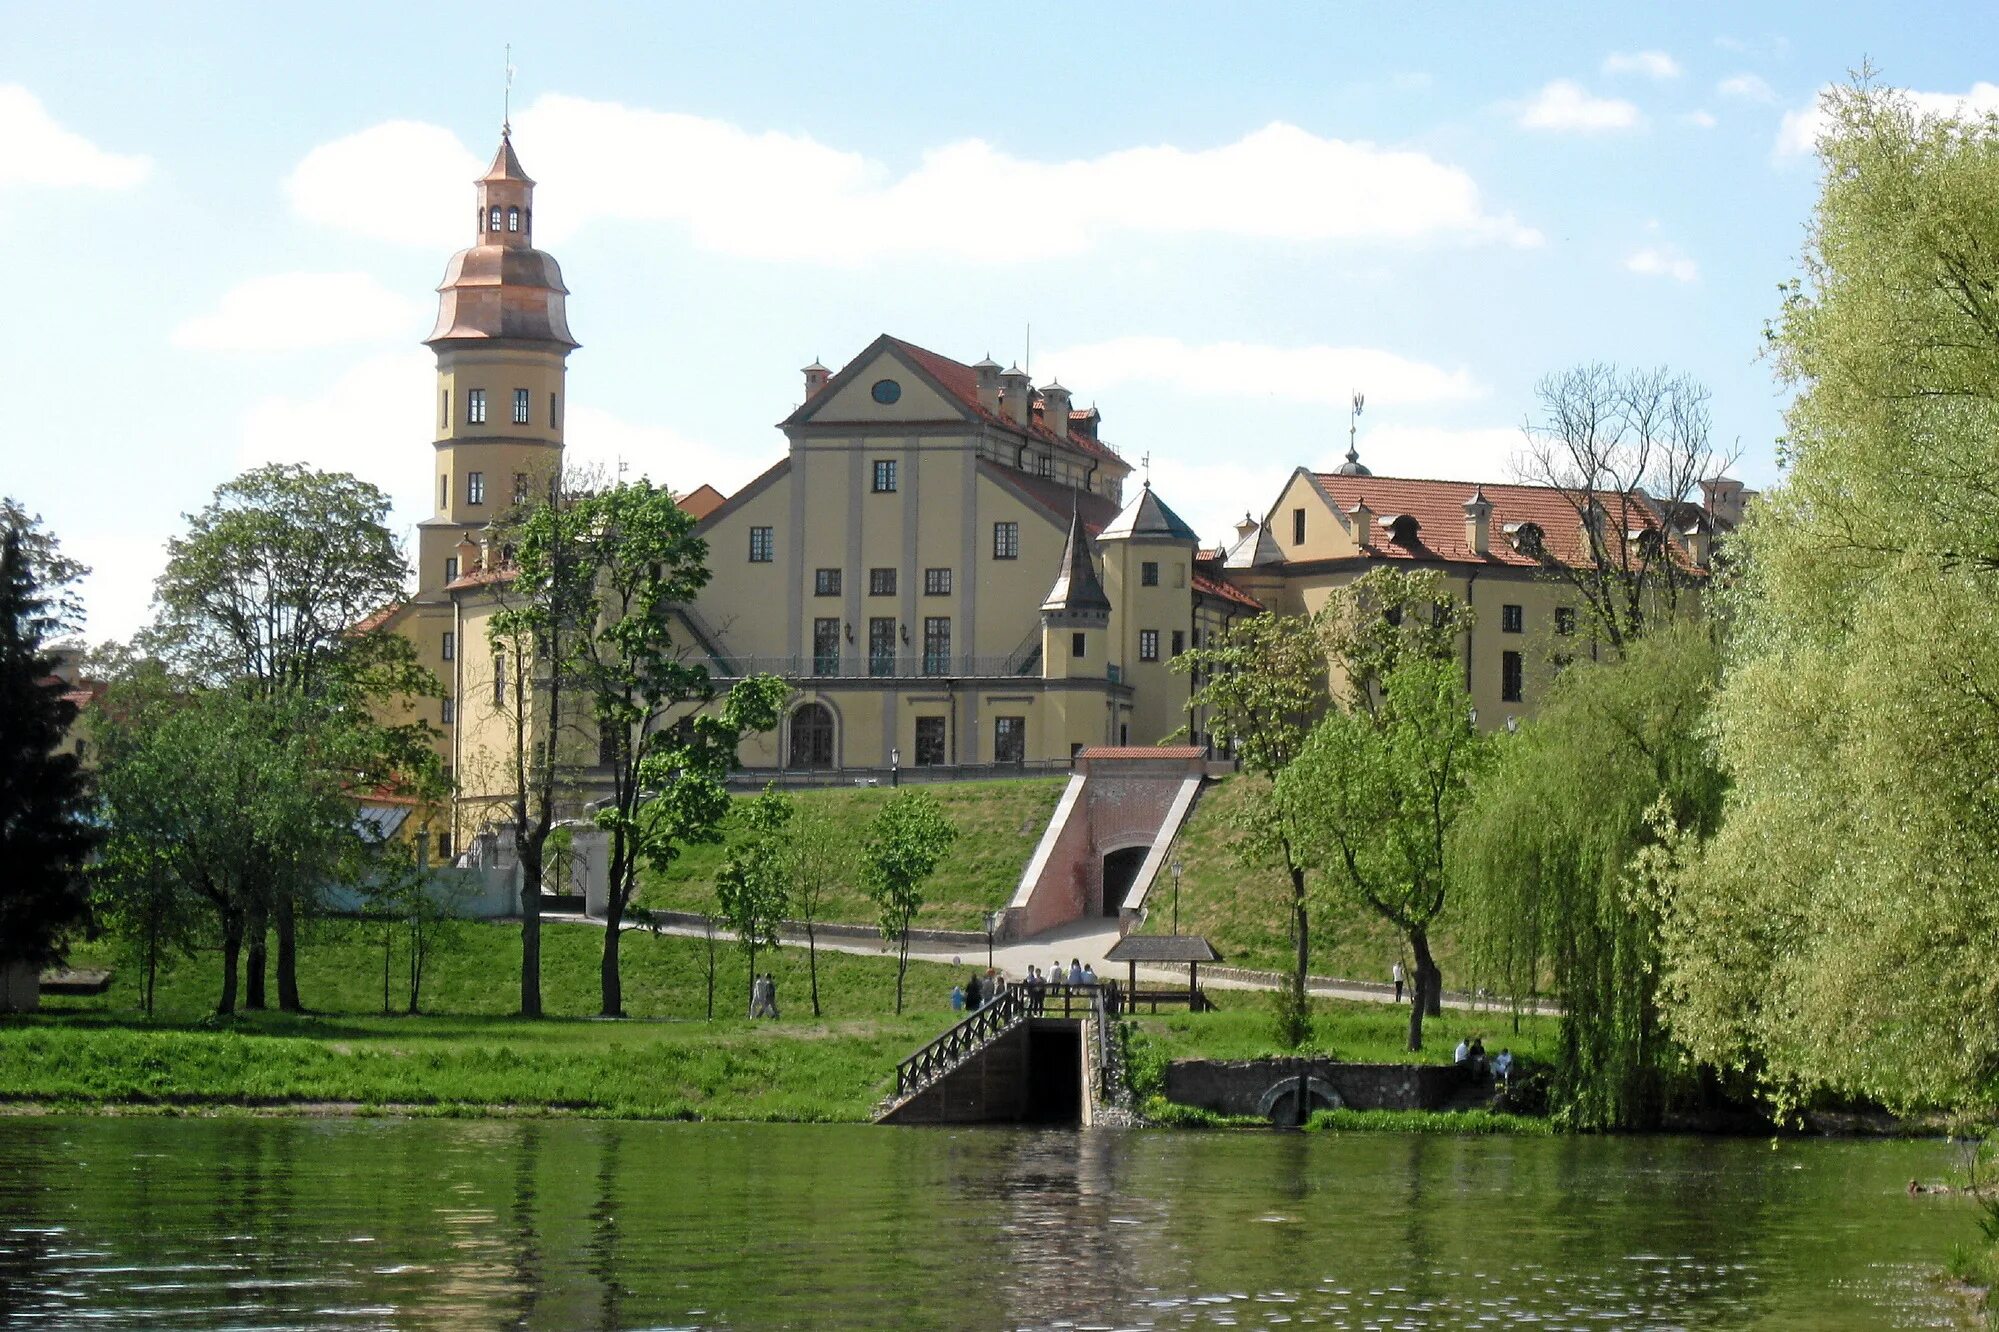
[(349, 1224)]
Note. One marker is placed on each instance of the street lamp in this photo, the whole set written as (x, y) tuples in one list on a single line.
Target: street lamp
[(992, 927), (894, 766), (1178, 870)]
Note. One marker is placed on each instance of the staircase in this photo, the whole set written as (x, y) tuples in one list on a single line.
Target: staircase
[(982, 1069)]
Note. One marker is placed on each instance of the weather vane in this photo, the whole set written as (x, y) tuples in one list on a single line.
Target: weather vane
[(507, 98), (1353, 425)]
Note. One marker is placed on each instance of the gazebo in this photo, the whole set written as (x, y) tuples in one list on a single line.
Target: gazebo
[(1192, 949)]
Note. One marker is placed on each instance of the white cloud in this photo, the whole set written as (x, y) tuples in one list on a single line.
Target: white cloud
[(1651, 64), (1565, 105), (1700, 119), (1799, 133), (34, 150), (288, 311), (1746, 88), (1312, 374), (779, 196), (1663, 261), (596, 438)]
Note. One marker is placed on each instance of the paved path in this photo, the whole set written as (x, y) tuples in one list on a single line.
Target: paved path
[(1084, 941)]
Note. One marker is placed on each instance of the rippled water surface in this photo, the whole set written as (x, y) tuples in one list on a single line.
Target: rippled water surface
[(240, 1223)]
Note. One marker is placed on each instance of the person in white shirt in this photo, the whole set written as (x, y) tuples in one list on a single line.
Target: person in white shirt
[(1396, 972), (1463, 1055)]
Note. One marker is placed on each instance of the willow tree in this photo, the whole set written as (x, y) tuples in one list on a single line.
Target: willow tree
[(1840, 929), (1545, 861)]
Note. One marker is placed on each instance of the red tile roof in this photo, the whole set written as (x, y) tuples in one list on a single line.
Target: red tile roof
[(1142, 751), (1096, 510), (701, 501), (1225, 590), (1439, 510), (480, 578), (962, 382), (378, 619)]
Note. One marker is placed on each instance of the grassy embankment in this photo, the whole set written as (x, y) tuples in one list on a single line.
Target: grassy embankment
[(998, 824)]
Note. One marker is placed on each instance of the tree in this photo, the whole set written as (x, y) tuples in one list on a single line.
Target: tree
[(262, 595), (1626, 450), (46, 829), (1263, 682), (903, 845), (1546, 857), (753, 888), (1373, 796), (1838, 929), (822, 855), (418, 906)]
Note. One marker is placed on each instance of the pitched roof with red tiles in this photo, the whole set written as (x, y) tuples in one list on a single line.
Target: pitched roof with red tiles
[(481, 578), (1225, 590), (1439, 510), (377, 620), (701, 501)]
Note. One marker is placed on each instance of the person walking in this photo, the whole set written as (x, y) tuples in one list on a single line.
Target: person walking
[(972, 995), (1396, 972), (770, 996), (757, 1000)]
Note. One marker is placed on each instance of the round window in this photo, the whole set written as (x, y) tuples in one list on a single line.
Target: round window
[(887, 391)]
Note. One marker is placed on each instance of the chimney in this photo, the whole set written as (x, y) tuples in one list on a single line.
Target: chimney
[(1478, 523), (1088, 424), (1363, 523), (816, 376), (468, 555), (1017, 394), (1055, 411), (988, 373), (1699, 543), (1244, 527)]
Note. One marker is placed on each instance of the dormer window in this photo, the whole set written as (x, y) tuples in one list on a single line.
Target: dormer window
[(493, 222), (513, 219), (1401, 528), (1526, 537)]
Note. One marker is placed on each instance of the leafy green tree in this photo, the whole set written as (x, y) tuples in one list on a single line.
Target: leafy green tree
[(262, 595), (754, 887), (1839, 929), (904, 843), (415, 905), (1262, 683), (1546, 861), (1372, 799), (45, 826), (821, 855)]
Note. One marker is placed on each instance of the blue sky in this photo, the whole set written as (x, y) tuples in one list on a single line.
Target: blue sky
[(226, 221)]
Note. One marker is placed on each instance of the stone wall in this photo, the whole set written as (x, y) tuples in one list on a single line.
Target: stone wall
[(1246, 1086)]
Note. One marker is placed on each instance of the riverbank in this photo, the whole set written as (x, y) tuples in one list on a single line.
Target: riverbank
[(466, 1055)]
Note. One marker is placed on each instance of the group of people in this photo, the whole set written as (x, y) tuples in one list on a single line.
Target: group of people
[(1471, 1053), (978, 991), (763, 996)]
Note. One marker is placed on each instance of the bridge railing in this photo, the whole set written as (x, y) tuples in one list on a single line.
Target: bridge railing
[(979, 1028)]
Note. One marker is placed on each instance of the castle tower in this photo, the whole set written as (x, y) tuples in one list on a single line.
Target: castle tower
[(502, 342), (1075, 618), (1149, 555)]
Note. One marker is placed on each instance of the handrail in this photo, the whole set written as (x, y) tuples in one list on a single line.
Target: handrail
[(979, 1028)]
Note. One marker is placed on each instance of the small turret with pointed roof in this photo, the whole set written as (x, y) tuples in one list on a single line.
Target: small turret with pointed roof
[(1078, 594), (1148, 519)]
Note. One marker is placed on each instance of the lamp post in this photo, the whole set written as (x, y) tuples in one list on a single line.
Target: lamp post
[(1178, 870), (992, 927), (894, 766)]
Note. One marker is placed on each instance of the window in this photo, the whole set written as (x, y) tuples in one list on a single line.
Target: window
[(936, 582), (929, 741), (761, 545), (444, 409), (1512, 619), (449, 650), (1006, 541), (475, 487), (1079, 644), (826, 582), (444, 710), (443, 491), (881, 582), (1179, 641), (884, 476), (493, 219), (520, 487), (1148, 645), (1009, 739), (444, 839), (499, 679), (812, 737), (881, 646), (513, 219), (1565, 620), (1044, 465), (450, 568), (551, 411), (520, 406), (937, 645), (1509, 677), (475, 406), (1297, 527), (1148, 574), (826, 646)]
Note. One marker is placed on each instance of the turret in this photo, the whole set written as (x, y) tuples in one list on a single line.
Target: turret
[(1075, 613)]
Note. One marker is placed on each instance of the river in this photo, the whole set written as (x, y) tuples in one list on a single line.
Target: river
[(385, 1223)]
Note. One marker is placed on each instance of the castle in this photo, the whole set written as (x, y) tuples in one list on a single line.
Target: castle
[(950, 565)]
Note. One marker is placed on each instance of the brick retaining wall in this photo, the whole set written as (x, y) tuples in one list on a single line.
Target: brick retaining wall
[(1241, 1086)]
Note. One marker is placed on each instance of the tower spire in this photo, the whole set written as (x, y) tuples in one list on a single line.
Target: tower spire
[(507, 98)]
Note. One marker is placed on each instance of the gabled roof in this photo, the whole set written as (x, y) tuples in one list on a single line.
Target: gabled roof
[(1162, 948), (1052, 497), (1077, 587), (1439, 510), (960, 383), (1148, 517), (701, 501), (1224, 590)]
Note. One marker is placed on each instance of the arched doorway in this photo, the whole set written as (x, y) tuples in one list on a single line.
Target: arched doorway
[(811, 737), (1120, 872)]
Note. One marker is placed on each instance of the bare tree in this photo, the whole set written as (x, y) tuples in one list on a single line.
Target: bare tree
[(1627, 450)]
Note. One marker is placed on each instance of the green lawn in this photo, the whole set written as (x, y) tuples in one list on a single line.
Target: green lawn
[(998, 824)]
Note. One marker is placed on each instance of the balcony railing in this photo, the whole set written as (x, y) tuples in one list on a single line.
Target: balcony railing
[(880, 666)]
